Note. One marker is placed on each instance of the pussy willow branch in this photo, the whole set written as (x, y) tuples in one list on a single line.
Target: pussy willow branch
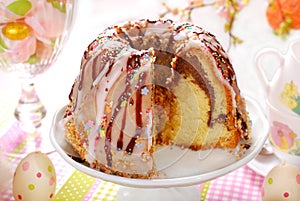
[(187, 12), (232, 38)]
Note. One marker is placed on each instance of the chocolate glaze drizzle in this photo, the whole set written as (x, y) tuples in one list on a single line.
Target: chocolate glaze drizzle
[(138, 115), (133, 63), (121, 136)]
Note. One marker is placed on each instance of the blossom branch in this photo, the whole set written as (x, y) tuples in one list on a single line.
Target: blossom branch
[(226, 8)]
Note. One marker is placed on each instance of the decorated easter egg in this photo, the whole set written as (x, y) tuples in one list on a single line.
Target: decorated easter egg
[(34, 178), (282, 183), (17, 42), (16, 30)]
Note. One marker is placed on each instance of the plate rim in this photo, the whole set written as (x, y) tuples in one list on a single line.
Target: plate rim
[(164, 182), (269, 162)]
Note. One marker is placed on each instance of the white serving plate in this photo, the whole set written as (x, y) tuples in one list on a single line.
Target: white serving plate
[(189, 169)]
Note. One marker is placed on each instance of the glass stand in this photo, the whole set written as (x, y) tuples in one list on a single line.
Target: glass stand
[(30, 111)]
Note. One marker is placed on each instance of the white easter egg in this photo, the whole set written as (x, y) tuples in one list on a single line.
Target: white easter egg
[(282, 183), (34, 178)]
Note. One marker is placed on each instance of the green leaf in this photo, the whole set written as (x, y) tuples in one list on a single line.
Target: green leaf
[(236, 40), (58, 5), (32, 59), (1, 50), (284, 29), (297, 108), (226, 27), (2, 44), (20, 7)]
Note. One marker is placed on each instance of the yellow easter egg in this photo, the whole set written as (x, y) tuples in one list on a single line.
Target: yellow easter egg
[(34, 178), (16, 30)]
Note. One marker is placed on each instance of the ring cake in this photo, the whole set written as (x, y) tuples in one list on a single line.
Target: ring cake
[(149, 84)]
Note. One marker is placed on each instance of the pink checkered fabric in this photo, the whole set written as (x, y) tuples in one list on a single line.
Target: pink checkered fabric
[(241, 185)]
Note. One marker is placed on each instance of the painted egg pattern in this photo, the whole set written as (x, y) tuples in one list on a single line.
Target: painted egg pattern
[(34, 178), (282, 183)]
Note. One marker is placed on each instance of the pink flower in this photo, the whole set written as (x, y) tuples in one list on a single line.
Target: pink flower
[(20, 50), (29, 31), (46, 21), (226, 8)]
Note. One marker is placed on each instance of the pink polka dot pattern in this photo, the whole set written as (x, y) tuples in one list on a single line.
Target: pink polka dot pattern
[(52, 181), (298, 179), (286, 195), (25, 166), (38, 175)]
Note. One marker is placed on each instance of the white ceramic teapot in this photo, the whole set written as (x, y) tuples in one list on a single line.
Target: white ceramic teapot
[(283, 89), (283, 99)]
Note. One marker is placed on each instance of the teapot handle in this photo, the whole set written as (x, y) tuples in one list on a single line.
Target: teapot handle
[(261, 72)]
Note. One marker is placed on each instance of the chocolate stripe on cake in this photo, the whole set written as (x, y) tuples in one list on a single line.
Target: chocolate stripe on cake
[(133, 62), (121, 136), (138, 114)]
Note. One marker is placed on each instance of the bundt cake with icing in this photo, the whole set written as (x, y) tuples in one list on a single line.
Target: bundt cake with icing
[(145, 84)]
